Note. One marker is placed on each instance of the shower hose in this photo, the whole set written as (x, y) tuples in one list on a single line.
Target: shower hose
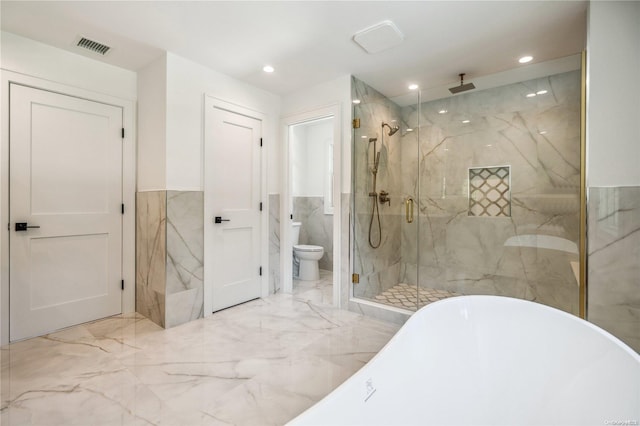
[(375, 214)]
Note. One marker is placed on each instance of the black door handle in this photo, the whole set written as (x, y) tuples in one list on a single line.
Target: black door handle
[(219, 219), (22, 226)]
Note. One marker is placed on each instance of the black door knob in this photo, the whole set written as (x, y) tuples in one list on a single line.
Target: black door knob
[(23, 226), (219, 219)]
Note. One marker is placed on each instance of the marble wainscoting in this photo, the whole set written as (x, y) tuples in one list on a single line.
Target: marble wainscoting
[(274, 243), (170, 256), (151, 259), (614, 262), (317, 227)]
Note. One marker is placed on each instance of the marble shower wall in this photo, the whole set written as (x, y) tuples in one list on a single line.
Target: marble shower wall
[(614, 262), (379, 268), (316, 228), (170, 253), (528, 255)]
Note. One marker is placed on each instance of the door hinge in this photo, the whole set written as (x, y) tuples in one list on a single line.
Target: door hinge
[(122, 284), (356, 123), (122, 208), (260, 141), (260, 205), (123, 133), (260, 271), (355, 278)]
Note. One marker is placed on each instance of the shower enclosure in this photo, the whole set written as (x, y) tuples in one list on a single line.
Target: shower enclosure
[(477, 193)]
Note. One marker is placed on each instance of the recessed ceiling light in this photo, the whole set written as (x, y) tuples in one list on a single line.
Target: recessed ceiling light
[(409, 130), (363, 136), (466, 121), (541, 92), (413, 86), (443, 111), (489, 145), (267, 68), (356, 101), (530, 95), (543, 132), (525, 59)]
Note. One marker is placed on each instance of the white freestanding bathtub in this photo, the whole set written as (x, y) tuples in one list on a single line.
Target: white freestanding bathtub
[(487, 360)]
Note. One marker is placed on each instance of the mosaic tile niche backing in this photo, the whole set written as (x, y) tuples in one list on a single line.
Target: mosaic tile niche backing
[(490, 191)]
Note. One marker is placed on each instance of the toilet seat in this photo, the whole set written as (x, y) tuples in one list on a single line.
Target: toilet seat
[(307, 248)]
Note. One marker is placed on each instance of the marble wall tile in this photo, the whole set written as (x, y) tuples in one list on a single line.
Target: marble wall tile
[(185, 257), (444, 248), (316, 228), (371, 263), (169, 256), (151, 255), (274, 243), (345, 248), (614, 262)]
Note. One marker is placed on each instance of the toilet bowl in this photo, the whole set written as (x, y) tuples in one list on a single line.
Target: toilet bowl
[(307, 256)]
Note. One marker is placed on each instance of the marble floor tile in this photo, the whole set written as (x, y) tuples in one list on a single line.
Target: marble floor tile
[(262, 362)]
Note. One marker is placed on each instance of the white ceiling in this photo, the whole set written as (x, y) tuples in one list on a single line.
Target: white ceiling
[(310, 42)]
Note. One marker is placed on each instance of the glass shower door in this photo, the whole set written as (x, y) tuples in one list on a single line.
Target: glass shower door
[(385, 190)]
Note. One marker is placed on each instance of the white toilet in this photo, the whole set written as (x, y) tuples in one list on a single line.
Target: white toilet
[(306, 255)]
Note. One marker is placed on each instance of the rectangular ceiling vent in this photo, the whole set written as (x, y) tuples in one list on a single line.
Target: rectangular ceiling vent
[(93, 46)]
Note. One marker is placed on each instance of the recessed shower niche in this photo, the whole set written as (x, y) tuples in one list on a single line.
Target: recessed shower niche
[(484, 192)]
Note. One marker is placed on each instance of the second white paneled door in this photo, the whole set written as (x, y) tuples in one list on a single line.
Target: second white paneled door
[(235, 192), (65, 183)]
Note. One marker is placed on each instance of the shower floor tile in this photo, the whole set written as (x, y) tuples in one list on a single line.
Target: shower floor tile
[(406, 296)]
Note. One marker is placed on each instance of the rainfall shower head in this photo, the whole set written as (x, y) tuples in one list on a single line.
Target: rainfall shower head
[(463, 87), (392, 129)]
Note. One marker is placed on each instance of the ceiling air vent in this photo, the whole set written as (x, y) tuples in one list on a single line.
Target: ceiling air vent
[(93, 46)]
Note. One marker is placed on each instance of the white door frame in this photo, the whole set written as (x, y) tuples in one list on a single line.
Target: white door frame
[(286, 249), (128, 186), (211, 102)]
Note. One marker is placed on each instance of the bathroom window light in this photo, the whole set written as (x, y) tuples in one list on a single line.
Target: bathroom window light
[(525, 59), (268, 69), (413, 86)]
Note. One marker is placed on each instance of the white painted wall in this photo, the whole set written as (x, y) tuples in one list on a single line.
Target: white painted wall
[(613, 94), (187, 83), (337, 91), (152, 126), (36, 59), (309, 161)]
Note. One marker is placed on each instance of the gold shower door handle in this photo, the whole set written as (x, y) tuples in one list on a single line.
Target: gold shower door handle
[(408, 209)]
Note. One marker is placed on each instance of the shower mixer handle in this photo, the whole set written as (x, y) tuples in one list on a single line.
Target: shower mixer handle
[(384, 198)]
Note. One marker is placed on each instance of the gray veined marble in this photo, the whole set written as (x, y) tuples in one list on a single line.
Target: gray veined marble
[(263, 362), (614, 262), (274, 243), (316, 228), (444, 248), (151, 255), (169, 254)]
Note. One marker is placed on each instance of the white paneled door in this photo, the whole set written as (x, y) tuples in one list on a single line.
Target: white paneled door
[(65, 183), (235, 186)]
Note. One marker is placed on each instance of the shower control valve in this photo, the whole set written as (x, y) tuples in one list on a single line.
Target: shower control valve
[(384, 198)]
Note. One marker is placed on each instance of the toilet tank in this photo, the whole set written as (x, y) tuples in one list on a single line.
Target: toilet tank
[(295, 235)]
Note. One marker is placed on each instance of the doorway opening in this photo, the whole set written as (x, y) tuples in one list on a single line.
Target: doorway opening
[(311, 213)]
